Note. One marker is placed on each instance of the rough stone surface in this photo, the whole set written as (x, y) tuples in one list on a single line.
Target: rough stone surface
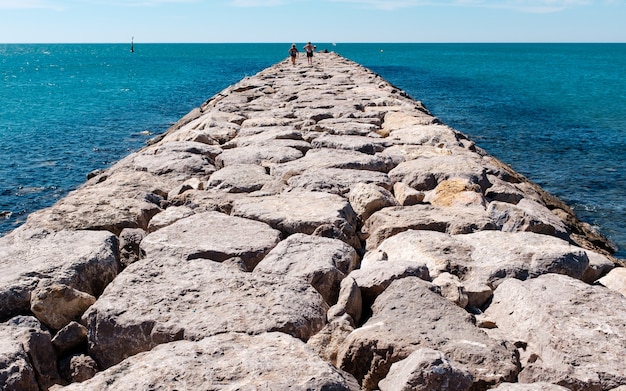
[(615, 280), (225, 361), (425, 370), (27, 359), (57, 305), (407, 316), (32, 258), (160, 300), (213, 236), (301, 212), (576, 337), (322, 262)]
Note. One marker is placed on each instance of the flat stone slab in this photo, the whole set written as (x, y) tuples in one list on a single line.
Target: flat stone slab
[(390, 221), (408, 316), (332, 158), (123, 199), (574, 333), (222, 362), (322, 262), (257, 154), (160, 300), (302, 212), (240, 178), (337, 180), (213, 236), (32, 258)]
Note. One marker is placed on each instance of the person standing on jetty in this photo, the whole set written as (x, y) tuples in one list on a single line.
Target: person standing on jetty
[(293, 53), (309, 52)]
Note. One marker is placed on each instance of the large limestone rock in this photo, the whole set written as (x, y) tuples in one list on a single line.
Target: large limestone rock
[(27, 359), (337, 181), (407, 316), (272, 361), (573, 333), (426, 370), (214, 236), (322, 262), (615, 280), (124, 199), (454, 220), (30, 258), (302, 212), (160, 300), (57, 305), (482, 260), (331, 158)]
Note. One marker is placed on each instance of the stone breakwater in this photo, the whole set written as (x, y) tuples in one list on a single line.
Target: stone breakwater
[(310, 228)]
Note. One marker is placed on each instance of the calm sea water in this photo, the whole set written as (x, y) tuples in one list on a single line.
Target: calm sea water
[(555, 112)]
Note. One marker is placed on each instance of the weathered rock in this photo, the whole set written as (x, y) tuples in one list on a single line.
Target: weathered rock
[(255, 154), (576, 337), (57, 305), (70, 337), (31, 258), (432, 134), (27, 359), (615, 280), (160, 300), (395, 120), (272, 361), (240, 178), (527, 216), (406, 195), (168, 217), (213, 236), (409, 316), (456, 192), (78, 368), (366, 199), (322, 262), (368, 145), (331, 158), (327, 342), (453, 220), (483, 259), (125, 199), (336, 180), (175, 161), (129, 245), (426, 370), (539, 386), (426, 173), (350, 301), (301, 212)]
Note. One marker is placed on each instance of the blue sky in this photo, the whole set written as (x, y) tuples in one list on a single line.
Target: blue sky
[(110, 21)]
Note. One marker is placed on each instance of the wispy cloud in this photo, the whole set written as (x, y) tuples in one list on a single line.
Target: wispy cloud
[(258, 3), (28, 4), (534, 6)]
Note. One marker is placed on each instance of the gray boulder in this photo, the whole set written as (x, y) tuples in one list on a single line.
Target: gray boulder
[(573, 333), (84, 260), (213, 236), (272, 361), (410, 315), (322, 262), (160, 300)]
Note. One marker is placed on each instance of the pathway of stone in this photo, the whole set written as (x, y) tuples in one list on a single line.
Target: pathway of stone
[(310, 228)]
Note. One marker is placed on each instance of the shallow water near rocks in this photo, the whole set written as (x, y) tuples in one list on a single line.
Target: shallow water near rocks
[(555, 112)]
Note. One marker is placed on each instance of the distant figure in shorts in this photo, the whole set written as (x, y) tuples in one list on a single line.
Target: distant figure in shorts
[(309, 52), (293, 53)]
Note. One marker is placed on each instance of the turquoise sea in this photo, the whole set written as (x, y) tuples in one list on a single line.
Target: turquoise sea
[(555, 112)]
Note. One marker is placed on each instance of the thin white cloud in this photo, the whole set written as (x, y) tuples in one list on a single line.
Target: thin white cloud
[(257, 3), (27, 4), (534, 6)]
